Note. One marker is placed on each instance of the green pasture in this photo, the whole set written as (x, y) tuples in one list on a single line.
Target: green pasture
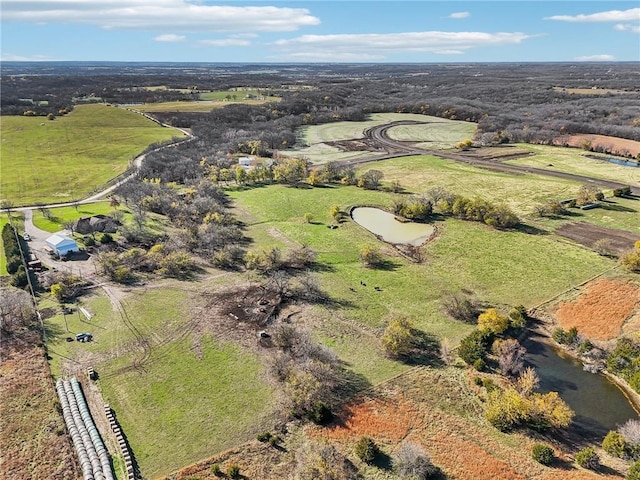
[(436, 133), (182, 406), (418, 174), (573, 160), (62, 215), (502, 267), (45, 161)]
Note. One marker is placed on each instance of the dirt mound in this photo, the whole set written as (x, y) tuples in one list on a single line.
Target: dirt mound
[(603, 310), (587, 234)]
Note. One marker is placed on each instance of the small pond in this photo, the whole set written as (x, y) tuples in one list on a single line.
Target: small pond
[(385, 225), (617, 161), (599, 405)]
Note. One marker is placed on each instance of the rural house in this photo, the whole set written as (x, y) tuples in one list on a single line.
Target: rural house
[(61, 245), (97, 223)]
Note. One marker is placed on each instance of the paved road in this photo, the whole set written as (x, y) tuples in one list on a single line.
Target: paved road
[(378, 134)]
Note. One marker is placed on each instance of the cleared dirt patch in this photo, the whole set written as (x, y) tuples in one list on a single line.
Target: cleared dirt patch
[(614, 145), (602, 310), (587, 234)]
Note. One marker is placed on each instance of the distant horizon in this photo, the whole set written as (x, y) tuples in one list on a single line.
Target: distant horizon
[(506, 62), (324, 32)]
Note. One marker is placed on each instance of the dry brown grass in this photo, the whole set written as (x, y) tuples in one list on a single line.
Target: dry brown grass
[(33, 442), (602, 310), (614, 145)]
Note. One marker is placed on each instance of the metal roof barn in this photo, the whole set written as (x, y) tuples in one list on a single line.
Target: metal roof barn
[(61, 244)]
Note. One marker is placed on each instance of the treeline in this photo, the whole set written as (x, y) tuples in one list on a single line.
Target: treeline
[(516, 102), (12, 251)]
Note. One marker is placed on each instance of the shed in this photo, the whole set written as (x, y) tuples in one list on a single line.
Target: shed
[(61, 244)]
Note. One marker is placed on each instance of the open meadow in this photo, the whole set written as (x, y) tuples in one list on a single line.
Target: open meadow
[(437, 133), (207, 101), (179, 394), (577, 161), (45, 161)]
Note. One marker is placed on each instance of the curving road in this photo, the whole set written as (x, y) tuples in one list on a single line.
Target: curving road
[(378, 135)]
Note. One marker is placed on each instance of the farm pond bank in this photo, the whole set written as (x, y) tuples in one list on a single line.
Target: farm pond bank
[(389, 229), (599, 404)]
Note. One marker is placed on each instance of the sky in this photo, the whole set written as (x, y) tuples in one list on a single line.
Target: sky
[(263, 31)]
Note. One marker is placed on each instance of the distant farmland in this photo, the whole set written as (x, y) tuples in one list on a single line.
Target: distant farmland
[(67, 158)]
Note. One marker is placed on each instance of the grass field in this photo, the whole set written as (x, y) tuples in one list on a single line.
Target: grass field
[(62, 215), (184, 404), (207, 102), (438, 133), (573, 160), (54, 161), (464, 256)]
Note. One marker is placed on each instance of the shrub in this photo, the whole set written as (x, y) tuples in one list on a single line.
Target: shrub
[(88, 241), (615, 444), (106, 238), (588, 458), (320, 414), (475, 346), (479, 364), (264, 437), (518, 317), (13, 263), (233, 471), (366, 450), (543, 454), (20, 279), (398, 338), (370, 256), (492, 320), (412, 462), (477, 380), (461, 308), (634, 472), (489, 385), (216, 470)]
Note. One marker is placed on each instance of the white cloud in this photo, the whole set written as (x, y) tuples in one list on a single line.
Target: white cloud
[(170, 37), (10, 57), (226, 42), (460, 15), (327, 57), (380, 44), (626, 27), (631, 15), (596, 58), (187, 15)]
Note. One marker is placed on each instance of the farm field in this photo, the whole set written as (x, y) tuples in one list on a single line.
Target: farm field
[(415, 289), (439, 133), (67, 158), (190, 395), (572, 160), (207, 101)]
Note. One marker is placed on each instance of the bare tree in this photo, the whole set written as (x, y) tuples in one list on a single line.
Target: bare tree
[(510, 357), (16, 310)]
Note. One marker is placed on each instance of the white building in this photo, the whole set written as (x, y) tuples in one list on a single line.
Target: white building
[(61, 245)]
